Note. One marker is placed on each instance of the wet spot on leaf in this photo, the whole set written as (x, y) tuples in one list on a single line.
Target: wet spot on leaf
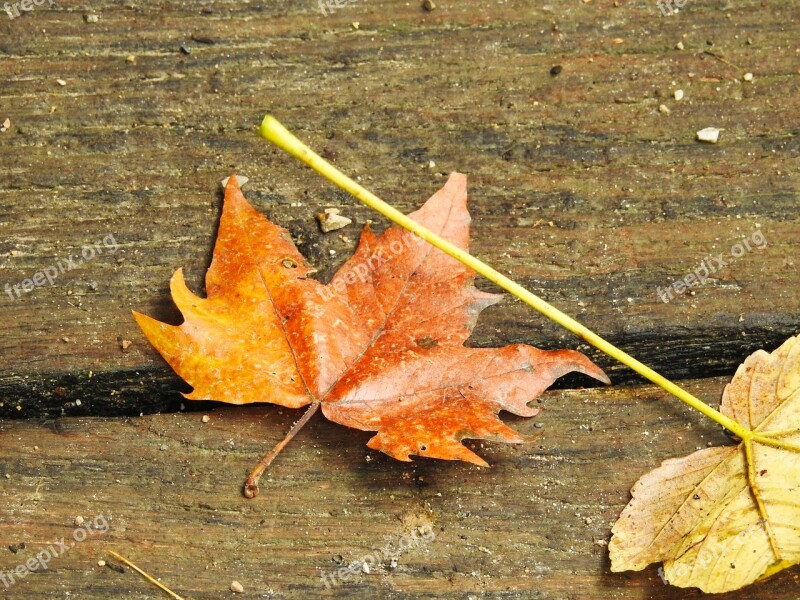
[(427, 342)]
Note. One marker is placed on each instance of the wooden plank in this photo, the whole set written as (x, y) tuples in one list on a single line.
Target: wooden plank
[(580, 188), (534, 525)]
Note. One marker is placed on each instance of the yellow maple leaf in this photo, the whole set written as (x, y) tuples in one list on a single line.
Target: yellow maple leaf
[(722, 518)]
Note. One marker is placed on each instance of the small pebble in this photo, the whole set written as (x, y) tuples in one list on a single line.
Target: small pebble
[(355, 25), (708, 134), (91, 18), (748, 77), (78, 521), (663, 108), (331, 220), (679, 46), (61, 82), (240, 181), (6, 125), (130, 59), (205, 419), (236, 587), (678, 95), (556, 70), (101, 563), (428, 5), (162, 447), (365, 568)]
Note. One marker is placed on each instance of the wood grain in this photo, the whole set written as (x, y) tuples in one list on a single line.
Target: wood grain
[(580, 188), (534, 525)]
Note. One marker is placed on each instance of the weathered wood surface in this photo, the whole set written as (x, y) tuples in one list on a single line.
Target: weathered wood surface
[(580, 189), (531, 526)]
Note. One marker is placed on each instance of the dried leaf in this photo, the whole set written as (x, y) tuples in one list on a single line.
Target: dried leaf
[(722, 518), (380, 347)]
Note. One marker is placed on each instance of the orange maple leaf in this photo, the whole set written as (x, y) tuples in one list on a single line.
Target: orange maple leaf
[(379, 348)]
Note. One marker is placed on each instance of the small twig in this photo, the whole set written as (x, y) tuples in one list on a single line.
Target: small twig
[(722, 60), (145, 575), (250, 490)]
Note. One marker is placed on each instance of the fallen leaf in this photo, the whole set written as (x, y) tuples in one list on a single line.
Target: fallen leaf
[(379, 348), (722, 518)]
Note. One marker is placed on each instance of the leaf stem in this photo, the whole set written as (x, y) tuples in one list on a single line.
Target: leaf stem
[(250, 490), (272, 130)]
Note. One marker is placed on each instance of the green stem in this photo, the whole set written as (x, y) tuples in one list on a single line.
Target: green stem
[(272, 130)]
